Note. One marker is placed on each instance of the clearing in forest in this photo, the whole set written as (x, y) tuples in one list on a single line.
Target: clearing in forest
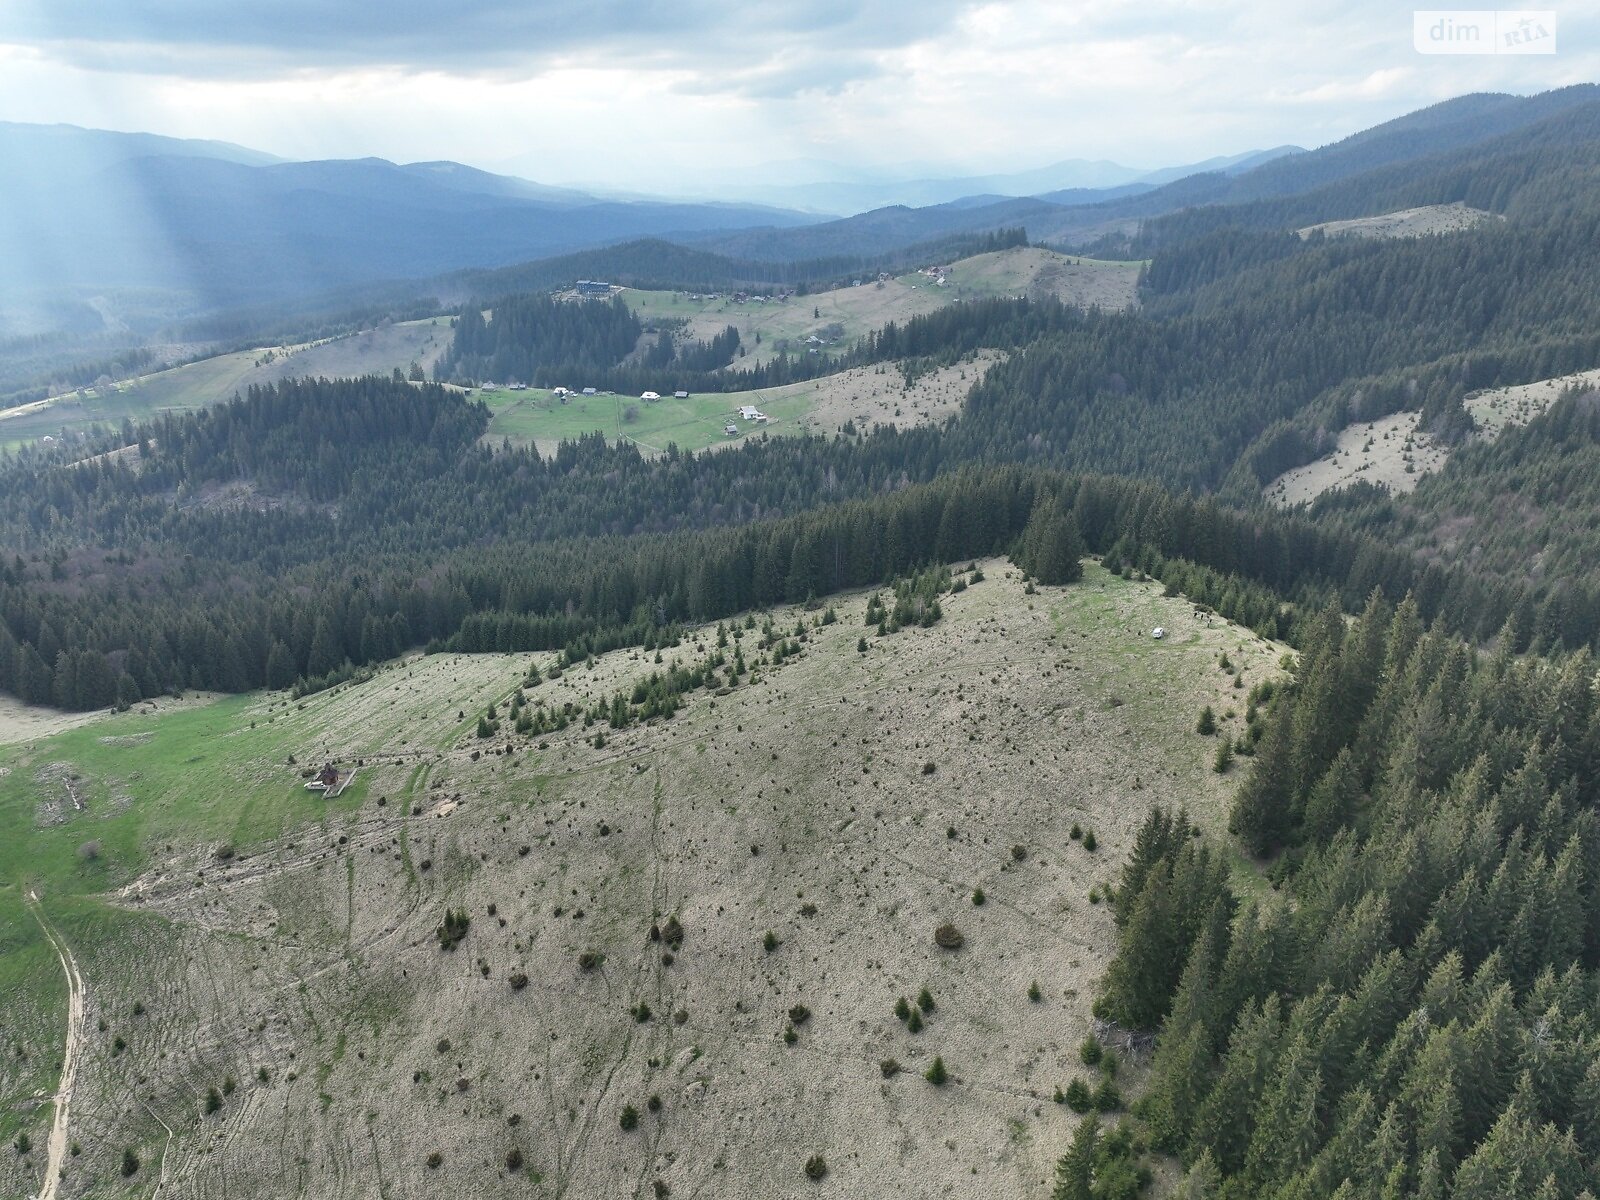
[(1394, 453), (212, 380), (706, 920), (863, 396), (838, 319), (1409, 222)]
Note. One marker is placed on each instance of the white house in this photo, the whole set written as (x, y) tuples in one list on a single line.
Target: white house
[(730, 429), (649, 395), (680, 395), (750, 412), (588, 391)]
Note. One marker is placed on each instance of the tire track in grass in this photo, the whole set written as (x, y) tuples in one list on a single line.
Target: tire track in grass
[(69, 1060)]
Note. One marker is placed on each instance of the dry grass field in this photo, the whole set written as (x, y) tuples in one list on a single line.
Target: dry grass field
[(1409, 222), (842, 316), (1389, 452), (210, 380), (1395, 454), (1496, 408), (236, 933)]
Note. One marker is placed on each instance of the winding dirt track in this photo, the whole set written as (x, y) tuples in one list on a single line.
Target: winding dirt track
[(69, 1060)]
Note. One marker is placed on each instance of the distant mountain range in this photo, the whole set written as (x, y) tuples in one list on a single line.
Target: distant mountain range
[(1405, 148), (109, 231), (846, 191), (180, 226)]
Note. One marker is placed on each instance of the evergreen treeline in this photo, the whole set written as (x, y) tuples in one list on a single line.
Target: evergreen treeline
[(552, 343), (1415, 1013), (1521, 506), (528, 337), (657, 265), (314, 524)]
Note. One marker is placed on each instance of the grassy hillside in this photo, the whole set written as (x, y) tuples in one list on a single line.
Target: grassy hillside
[(197, 384), (866, 396), (537, 415), (236, 932), (843, 316)]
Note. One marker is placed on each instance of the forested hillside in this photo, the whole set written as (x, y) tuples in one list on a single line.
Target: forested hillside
[(1413, 1012), (1242, 332)]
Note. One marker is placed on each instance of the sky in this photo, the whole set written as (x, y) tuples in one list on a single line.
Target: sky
[(685, 96)]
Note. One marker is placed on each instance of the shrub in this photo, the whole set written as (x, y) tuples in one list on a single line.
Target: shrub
[(454, 928), (928, 768), (949, 937), (514, 1159), (925, 1000), (90, 851), (518, 981), (1077, 831), (1090, 843), (936, 1074), (1033, 992), (213, 1100), (654, 1103), (130, 1164), (978, 897), (1224, 759), (23, 1143), (1079, 1098), (1106, 1097), (1018, 853), (799, 1014), (590, 960), (229, 1084), (434, 1160), (1090, 1051), (790, 1037), (629, 1117), (914, 1022), (889, 1068), (816, 1167), (442, 1046), (1207, 724), (901, 1008), (769, 943)]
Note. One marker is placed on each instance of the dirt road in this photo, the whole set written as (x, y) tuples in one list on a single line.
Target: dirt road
[(69, 1060)]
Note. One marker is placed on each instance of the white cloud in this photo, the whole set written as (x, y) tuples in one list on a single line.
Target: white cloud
[(631, 92)]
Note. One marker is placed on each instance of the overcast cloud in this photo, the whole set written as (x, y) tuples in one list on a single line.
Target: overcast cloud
[(688, 95)]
